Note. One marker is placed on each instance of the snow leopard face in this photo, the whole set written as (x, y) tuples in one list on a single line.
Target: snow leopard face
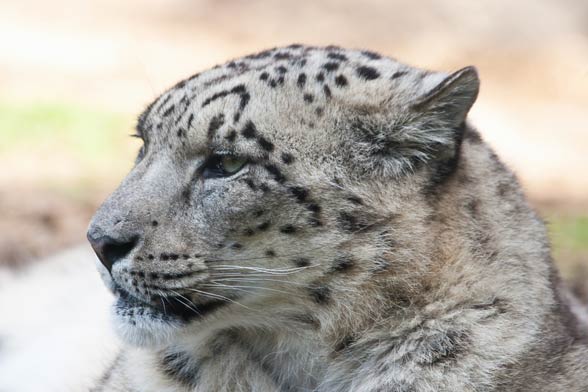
[(266, 187)]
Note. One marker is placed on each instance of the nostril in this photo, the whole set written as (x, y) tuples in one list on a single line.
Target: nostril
[(117, 250), (110, 250)]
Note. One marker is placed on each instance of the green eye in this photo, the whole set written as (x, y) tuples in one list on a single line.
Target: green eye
[(232, 164), (222, 166)]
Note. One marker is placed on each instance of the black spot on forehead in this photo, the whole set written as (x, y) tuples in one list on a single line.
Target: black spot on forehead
[(281, 69), (308, 98), (367, 73), (215, 123), (337, 56), (165, 101), (398, 74), (190, 119), (282, 55), (260, 55), (371, 55), (264, 76), (327, 91), (231, 136), (331, 66), (301, 80), (245, 97), (340, 81), (179, 84), (169, 111), (249, 131), (320, 77), (265, 144), (287, 158)]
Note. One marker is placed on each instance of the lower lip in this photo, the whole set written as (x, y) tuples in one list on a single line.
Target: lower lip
[(171, 308)]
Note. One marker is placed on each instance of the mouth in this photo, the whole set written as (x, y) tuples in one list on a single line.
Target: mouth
[(167, 309)]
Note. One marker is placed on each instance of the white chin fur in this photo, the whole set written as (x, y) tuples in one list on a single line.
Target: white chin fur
[(144, 331)]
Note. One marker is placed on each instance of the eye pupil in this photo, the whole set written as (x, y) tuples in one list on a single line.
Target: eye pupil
[(218, 166)]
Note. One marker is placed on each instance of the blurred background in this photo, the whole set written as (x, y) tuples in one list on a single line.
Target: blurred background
[(74, 74)]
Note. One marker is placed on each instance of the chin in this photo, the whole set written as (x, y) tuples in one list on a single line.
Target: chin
[(143, 326), (155, 323)]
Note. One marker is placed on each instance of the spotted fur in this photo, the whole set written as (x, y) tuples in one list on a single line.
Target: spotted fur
[(371, 241)]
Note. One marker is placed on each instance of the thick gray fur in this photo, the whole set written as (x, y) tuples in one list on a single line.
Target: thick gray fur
[(372, 242)]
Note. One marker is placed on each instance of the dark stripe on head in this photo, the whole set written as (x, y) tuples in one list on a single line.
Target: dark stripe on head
[(215, 123)]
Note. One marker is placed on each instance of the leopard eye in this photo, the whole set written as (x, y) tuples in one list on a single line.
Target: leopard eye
[(222, 166)]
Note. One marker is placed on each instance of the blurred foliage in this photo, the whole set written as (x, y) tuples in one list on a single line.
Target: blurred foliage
[(569, 233), (79, 141), (89, 133)]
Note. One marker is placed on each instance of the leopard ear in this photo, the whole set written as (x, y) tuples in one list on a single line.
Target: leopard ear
[(451, 99)]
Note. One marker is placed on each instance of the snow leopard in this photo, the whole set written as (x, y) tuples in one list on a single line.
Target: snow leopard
[(326, 219)]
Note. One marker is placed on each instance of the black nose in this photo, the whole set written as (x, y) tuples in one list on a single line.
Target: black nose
[(110, 250)]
